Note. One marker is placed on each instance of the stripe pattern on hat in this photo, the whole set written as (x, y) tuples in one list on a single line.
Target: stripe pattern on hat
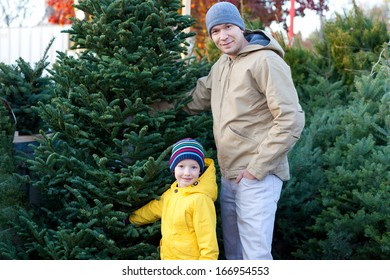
[(187, 148)]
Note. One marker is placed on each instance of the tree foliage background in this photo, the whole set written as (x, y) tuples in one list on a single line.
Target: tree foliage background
[(111, 135), (337, 204)]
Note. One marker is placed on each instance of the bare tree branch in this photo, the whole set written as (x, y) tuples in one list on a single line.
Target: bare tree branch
[(22, 12)]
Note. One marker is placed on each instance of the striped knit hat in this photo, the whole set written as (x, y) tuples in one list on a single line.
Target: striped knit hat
[(186, 148)]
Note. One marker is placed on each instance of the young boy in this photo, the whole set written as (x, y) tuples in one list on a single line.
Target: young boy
[(186, 209)]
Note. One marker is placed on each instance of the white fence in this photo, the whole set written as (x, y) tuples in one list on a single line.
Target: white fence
[(30, 43)]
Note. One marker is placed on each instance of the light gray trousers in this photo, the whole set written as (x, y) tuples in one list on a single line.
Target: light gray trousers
[(248, 215)]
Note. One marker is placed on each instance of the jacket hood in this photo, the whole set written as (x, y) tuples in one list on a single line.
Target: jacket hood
[(206, 184), (260, 40)]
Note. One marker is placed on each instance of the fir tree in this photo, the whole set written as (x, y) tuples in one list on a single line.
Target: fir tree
[(10, 193), (337, 205), (334, 207), (23, 86), (354, 220), (351, 44), (112, 131), (7, 129)]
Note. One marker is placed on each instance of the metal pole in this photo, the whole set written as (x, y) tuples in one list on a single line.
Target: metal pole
[(291, 28)]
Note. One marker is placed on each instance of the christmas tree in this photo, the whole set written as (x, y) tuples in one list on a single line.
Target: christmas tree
[(112, 126), (354, 185), (21, 88), (11, 187), (24, 86), (336, 206), (353, 41)]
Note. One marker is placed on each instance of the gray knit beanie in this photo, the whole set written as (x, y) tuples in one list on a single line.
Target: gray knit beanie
[(221, 13)]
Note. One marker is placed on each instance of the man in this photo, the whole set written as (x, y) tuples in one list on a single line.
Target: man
[(257, 120)]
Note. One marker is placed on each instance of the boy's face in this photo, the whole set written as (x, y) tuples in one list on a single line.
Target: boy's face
[(229, 38), (187, 172)]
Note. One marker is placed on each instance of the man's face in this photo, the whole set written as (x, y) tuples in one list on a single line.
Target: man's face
[(229, 38)]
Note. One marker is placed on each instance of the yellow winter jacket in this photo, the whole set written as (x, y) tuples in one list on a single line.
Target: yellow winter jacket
[(188, 218)]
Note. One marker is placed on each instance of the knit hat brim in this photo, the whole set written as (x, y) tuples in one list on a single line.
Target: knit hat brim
[(223, 13), (187, 148)]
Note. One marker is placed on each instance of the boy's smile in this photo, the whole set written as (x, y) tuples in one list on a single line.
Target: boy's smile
[(187, 172)]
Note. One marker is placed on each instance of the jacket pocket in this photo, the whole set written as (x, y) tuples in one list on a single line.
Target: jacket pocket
[(241, 141), (235, 149)]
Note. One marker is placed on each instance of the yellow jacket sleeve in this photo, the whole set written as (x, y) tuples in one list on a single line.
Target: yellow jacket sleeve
[(148, 213)]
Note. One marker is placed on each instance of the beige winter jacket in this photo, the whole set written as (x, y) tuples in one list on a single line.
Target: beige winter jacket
[(256, 113)]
